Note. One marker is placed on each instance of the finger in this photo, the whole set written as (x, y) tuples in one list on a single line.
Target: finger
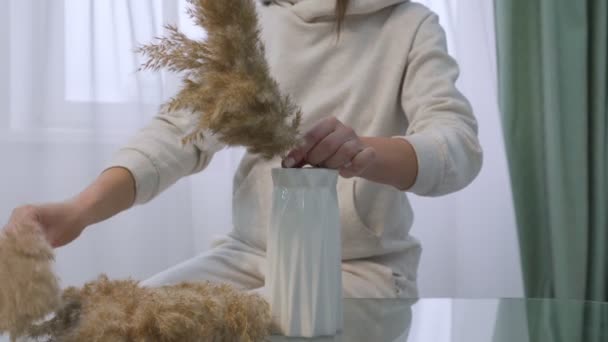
[(27, 212), (330, 145), (310, 140), (293, 160), (345, 154), (359, 164)]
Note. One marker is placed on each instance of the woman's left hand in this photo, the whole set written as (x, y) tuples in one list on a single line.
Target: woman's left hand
[(333, 145)]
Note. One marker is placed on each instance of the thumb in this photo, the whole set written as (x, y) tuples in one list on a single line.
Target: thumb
[(294, 160)]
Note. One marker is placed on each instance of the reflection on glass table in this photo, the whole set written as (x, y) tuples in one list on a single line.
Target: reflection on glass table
[(470, 320)]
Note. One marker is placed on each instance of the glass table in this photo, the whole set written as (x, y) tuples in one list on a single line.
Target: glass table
[(470, 320)]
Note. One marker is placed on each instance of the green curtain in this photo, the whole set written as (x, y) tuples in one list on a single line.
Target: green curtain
[(553, 92), (552, 61), (551, 320)]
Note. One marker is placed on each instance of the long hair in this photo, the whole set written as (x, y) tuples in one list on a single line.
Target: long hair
[(341, 6)]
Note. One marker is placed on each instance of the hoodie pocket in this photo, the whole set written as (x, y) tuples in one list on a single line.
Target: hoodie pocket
[(381, 210), (353, 226), (373, 216)]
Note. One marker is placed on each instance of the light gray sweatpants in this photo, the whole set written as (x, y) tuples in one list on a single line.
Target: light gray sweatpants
[(237, 263)]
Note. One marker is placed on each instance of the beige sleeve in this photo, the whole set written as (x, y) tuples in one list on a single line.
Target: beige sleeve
[(157, 159), (442, 128)]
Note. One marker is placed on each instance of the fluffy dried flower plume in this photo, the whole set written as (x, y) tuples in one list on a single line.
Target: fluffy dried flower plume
[(227, 83), (29, 289), (33, 305), (105, 310)]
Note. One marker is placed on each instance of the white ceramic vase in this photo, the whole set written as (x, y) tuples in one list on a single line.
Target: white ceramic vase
[(304, 277)]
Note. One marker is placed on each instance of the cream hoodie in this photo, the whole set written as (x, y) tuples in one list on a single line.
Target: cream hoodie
[(388, 75)]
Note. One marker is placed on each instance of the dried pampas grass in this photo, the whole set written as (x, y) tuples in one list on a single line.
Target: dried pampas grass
[(32, 304), (29, 290), (106, 310), (227, 82)]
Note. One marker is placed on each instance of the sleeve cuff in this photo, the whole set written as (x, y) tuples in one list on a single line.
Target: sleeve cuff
[(143, 169), (431, 163)]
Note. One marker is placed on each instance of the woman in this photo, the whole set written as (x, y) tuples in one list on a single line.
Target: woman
[(377, 88)]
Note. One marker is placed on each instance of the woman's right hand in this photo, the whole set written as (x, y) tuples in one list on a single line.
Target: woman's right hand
[(112, 192), (61, 222)]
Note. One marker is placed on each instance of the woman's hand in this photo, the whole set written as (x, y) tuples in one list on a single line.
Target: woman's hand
[(333, 145), (112, 192), (60, 222)]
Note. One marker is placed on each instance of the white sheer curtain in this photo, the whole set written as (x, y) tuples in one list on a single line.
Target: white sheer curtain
[(69, 96), (469, 238)]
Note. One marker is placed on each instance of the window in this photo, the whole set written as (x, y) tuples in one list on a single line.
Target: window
[(100, 37), (71, 64), (100, 64)]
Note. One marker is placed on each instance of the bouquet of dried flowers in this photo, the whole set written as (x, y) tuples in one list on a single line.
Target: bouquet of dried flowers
[(227, 84)]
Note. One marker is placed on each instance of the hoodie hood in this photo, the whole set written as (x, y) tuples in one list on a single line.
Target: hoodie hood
[(310, 10)]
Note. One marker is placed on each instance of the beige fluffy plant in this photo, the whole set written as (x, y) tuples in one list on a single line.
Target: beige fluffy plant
[(227, 84), (32, 304), (123, 311), (29, 290)]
